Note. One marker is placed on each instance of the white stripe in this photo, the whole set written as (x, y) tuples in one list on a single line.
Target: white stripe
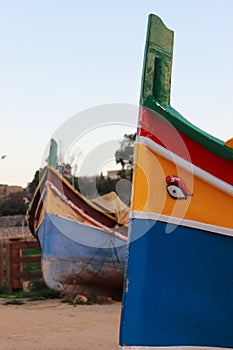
[(171, 348), (182, 222), (202, 174)]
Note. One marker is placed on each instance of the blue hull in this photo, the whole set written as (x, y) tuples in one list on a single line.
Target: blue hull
[(179, 287), (75, 255)]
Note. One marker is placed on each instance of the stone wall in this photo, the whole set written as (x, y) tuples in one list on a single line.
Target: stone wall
[(14, 220), (5, 190), (7, 233), (14, 227)]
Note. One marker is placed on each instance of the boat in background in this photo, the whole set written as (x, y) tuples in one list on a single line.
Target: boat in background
[(83, 241), (179, 276)]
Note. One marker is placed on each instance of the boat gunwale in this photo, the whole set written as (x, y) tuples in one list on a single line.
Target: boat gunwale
[(206, 140), (72, 194)]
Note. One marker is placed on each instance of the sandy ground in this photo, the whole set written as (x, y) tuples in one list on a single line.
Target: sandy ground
[(52, 325)]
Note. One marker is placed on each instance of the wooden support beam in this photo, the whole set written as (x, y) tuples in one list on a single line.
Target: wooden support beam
[(8, 268)]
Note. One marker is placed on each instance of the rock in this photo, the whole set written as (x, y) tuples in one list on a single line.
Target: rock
[(80, 299), (102, 299)]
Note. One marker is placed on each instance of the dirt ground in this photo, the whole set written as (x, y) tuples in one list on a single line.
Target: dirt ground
[(53, 325)]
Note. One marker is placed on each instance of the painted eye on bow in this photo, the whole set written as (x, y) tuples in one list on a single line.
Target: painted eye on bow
[(176, 192), (177, 188)]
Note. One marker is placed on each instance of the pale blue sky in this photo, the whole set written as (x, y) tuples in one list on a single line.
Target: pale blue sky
[(60, 57)]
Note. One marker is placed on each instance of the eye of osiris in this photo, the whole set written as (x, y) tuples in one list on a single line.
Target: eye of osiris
[(176, 192)]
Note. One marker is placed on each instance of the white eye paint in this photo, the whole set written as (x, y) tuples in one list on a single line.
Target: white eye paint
[(176, 192)]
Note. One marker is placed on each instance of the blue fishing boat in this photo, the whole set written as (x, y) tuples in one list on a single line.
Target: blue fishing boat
[(83, 241), (178, 287)]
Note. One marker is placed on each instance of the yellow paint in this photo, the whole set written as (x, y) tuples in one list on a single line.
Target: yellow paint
[(120, 211), (229, 143), (54, 205), (207, 205)]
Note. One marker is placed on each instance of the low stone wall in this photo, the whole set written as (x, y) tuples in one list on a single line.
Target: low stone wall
[(12, 227), (11, 221), (7, 233)]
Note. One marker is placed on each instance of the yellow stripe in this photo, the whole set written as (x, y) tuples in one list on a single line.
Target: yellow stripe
[(54, 205), (208, 204)]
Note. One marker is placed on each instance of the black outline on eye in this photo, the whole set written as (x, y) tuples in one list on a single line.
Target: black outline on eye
[(174, 197)]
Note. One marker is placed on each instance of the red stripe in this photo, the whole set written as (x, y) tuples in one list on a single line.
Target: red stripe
[(162, 132)]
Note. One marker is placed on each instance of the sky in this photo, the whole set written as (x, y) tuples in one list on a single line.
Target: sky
[(62, 57)]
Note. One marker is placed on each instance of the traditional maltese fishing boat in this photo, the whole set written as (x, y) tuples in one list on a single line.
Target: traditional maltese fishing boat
[(83, 242), (179, 278)]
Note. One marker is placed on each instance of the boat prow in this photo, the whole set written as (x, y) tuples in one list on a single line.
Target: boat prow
[(178, 285), (83, 243)]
